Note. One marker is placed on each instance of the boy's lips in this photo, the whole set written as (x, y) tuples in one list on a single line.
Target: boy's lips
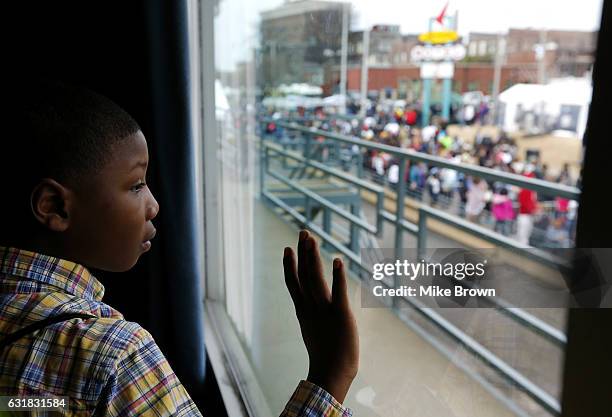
[(151, 235), (146, 245)]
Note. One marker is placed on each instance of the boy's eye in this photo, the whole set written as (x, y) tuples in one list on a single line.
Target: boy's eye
[(138, 186)]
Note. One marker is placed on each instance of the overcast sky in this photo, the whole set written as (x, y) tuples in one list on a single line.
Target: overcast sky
[(482, 15), (236, 26)]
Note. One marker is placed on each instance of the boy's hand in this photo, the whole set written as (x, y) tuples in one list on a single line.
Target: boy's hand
[(326, 320)]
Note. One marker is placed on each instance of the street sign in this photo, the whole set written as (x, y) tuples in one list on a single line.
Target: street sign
[(454, 52), (439, 37), (437, 55), (437, 70)]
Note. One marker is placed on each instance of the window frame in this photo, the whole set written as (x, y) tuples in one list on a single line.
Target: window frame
[(235, 376)]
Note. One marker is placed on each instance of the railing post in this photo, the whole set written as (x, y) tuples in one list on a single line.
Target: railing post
[(422, 236), (327, 226), (263, 160), (399, 214), (307, 140), (360, 165), (380, 200), (285, 146), (337, 156), (354, 235), (307, 209), (307, 151)]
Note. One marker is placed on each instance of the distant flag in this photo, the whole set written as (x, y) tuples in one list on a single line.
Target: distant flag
[(440, 18)]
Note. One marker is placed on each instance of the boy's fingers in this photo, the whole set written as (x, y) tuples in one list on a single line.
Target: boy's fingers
[(318, 286), (339, 286), (291, 279), (302, 268)]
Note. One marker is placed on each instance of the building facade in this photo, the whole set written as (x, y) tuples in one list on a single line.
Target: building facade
[(383, 38), (300, 43), (525, 56), (563, 53)]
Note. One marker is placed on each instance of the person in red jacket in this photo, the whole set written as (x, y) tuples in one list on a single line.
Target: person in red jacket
[(528, 206), (411, 117)]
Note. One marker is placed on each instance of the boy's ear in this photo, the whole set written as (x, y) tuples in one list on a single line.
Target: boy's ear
[(50, 202)]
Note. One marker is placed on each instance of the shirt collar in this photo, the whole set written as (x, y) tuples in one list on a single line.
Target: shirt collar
[(66, 275)]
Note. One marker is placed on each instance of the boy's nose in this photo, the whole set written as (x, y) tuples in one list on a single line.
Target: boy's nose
[(152, 207)]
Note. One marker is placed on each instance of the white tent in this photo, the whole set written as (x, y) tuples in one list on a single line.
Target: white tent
[(562, 104), (292, 102), (301, 89), (337, 100)]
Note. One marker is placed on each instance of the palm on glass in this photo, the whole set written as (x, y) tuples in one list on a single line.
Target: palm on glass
[(327, 323)]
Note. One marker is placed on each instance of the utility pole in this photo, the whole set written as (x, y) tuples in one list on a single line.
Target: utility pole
[(364, 71), (541, 57), (273, 63), (500, 53), (343, 58)]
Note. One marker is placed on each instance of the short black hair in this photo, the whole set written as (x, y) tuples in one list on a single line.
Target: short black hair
[(69, 130), (59, 131)]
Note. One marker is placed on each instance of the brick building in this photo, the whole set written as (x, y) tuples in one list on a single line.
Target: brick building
[(301, 43), (565, 53), (405, 82), (482, 47)]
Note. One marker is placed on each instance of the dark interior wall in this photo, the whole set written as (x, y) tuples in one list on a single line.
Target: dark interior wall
[(87, 45), (588, 362), (134, 53)]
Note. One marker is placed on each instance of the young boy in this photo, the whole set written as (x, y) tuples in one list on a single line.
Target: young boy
[(76, 198)]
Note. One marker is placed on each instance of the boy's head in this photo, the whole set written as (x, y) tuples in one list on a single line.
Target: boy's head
[(75, 167)]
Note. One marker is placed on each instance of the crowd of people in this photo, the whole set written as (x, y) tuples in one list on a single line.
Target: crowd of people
[(531, 218)]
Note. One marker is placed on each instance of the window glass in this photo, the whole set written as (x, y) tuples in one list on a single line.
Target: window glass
[(299, 135)]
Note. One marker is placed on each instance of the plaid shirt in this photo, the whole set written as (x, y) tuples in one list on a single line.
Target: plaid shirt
[(104, 362)]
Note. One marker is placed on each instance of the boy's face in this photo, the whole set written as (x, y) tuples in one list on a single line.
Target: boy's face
[(110, 217)]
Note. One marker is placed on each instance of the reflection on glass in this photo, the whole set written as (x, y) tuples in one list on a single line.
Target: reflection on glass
[(461, 119)]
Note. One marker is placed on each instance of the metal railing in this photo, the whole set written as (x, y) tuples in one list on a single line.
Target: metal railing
[(269, 149)]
